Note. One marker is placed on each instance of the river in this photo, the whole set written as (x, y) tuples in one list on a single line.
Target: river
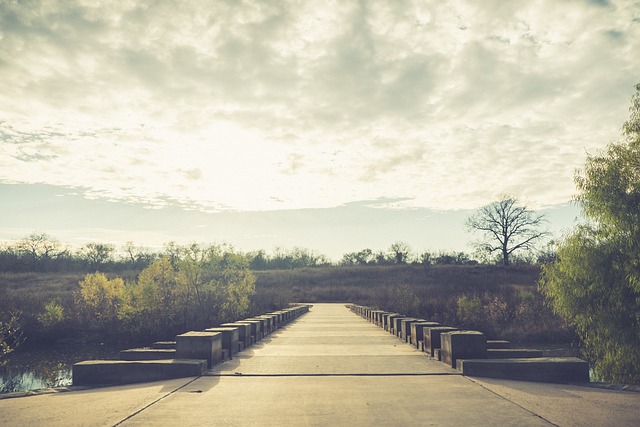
[(35, 367)]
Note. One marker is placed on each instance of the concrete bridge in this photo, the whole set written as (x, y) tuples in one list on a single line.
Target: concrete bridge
[(329, 367)]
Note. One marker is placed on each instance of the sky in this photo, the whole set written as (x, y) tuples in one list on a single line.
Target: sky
[(334, 125)]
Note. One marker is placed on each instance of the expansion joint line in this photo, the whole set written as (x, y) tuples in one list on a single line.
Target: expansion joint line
[(514, 403), (154, 402), (239, 374)]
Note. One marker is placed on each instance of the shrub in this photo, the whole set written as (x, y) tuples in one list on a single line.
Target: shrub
[(470, 311), (52, 315)]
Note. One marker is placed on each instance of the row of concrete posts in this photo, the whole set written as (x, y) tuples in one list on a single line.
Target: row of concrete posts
[(191, 354), (473, 354)]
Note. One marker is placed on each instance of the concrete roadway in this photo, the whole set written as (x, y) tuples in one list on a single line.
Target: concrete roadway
[(329, 368)]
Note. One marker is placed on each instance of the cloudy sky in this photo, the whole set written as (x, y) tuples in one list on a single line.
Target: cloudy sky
[(333, 125)]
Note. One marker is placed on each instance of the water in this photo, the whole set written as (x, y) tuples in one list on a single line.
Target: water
[(31, 367)]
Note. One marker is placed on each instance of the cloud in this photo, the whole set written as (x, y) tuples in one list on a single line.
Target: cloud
[(259, 105)]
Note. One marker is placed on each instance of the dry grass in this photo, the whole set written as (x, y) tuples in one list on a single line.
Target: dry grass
[(431, 294), (512, 307)]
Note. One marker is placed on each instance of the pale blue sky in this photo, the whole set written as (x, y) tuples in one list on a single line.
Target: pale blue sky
[(75, 220), (331, 125)]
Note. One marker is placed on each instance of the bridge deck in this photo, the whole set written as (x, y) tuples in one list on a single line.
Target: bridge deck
[(329, 367)]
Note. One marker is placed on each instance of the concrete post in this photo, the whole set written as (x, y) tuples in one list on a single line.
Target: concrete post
[(432, 338), (417, 332), (462, 345), (200, 345), (230, 338)]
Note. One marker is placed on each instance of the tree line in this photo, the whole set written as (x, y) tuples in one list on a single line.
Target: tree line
[(41, 252)]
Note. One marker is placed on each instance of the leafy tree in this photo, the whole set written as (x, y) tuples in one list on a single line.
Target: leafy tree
[(204, 285), (595, 280), (97, 254), (506, 227), (399, 252), (382, 258), (157, 301), (451, 258), (259, 260), (362, 257), (100, 298), (238, 284)]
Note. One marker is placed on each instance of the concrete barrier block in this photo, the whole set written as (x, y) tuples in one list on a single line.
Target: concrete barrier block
[(230, 338), (244, 331), (545, 369), (513, 353), (104, 372), (164, 344), (431, 335), (381, 321), (437, 354), (255, 328), (462, 345), (200, 345), (498, 344), (417, 332), (387, 319), (395, 325), (405, 327), (147, 354)]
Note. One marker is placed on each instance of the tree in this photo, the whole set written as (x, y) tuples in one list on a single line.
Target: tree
[(101, 298), (399, 252), (507, 227), (362, 257), (40, 249), (594, 282), (138, 256), (97, 254)]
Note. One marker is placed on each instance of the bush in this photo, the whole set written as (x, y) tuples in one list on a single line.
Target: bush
[(470, 312), (52, 315)]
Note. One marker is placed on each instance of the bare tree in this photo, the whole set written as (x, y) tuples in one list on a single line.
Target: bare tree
[(40, 249), (507, 227)]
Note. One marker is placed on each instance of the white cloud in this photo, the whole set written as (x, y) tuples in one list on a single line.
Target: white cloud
[(270, 105)]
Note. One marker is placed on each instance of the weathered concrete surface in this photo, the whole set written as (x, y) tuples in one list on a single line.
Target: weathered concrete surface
[(329, 367), (569, 405), (95, 407)]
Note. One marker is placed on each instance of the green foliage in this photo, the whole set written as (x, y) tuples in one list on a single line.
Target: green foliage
[(97, 254), (11, 336), (100, 299), (52, 315), (595, 280), (404, 300), (470, 311), (155, 301), (192, 288)]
